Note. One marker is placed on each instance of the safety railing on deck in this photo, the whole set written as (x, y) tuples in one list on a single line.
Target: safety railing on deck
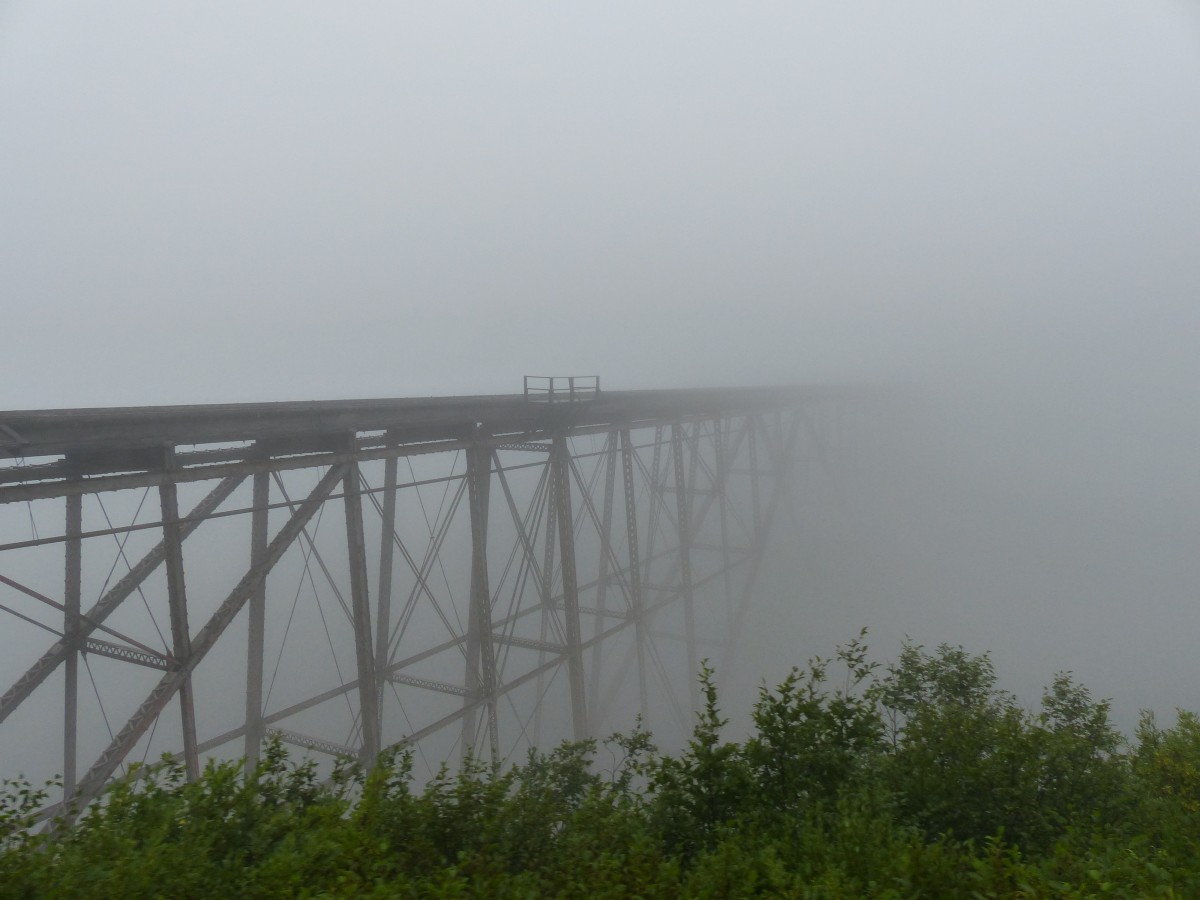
[(561, 388)]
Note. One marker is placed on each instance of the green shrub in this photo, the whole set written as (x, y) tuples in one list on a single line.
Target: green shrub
[(918, 779)]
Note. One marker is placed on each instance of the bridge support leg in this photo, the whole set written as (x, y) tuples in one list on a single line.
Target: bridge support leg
[(71, 595), (257, 626), (383, 612), (368, 701), (755, 500), (547, 595), (560, 466), (635, 570), (606, 555), (721, 477), (481, 651), (782, 463), (684, 511), (180, 636)]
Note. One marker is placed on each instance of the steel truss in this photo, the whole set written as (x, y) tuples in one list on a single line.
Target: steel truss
[(501, 573)]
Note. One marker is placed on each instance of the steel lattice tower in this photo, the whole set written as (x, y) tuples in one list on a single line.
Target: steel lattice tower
[(453, 574)]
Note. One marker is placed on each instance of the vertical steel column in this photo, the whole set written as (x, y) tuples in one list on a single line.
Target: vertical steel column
[(606, 554), (756, 503), (635, 570), (71, 592), (177, 597), (258, 622), (547, 595), (656, 499), (783, 462), (722, 477), (368, 694), (683, 508), (481, 650), (560, 464), (383, 612), (693, 461)]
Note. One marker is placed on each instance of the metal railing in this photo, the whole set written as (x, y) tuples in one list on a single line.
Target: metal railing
[(561, 388)]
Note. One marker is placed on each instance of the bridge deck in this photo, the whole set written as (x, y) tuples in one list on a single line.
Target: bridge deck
[(33, 434)]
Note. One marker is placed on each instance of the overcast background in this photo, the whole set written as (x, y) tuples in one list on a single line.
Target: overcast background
[(996, 205)]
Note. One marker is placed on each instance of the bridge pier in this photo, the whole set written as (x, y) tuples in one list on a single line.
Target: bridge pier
[(256, 636), (481, 651)]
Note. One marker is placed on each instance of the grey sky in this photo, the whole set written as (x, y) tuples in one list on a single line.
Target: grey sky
[(228, 201), (999, 202)]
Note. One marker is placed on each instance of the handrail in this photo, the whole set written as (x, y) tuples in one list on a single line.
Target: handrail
[(550, 389)]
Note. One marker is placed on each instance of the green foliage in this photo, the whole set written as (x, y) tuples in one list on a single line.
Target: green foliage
[(810, 744), (705, 787), (918, 779), (969, 761)]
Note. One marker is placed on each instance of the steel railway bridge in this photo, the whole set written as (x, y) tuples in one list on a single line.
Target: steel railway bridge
[(455, 574)]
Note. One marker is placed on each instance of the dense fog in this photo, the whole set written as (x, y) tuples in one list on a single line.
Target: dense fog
[(991, 211)]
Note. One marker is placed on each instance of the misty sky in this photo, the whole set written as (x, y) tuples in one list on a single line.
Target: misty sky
[(229, 201), (998, 203)]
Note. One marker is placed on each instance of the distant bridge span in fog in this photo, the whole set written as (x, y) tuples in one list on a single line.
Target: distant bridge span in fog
[(486, 572)]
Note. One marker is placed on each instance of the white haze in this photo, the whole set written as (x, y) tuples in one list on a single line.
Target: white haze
[(996, 206)]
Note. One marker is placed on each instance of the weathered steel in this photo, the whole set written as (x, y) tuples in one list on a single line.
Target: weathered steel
[(481, 652), (74, 564), (92, 783), (563, 553), (50, 660), (258, 624), (387, 546), (125, 654), (181, 640), (81, 431), (560, 464), (635, 569), (607, 556), (428, 683), (684, 524), (781, 471), (312, 743), (547, 592), (368, 685)]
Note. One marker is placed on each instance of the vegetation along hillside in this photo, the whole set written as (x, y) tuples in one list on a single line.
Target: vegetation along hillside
[(916, 779)]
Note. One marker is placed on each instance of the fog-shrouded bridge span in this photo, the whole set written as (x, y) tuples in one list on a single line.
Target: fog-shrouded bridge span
[(446, 573)]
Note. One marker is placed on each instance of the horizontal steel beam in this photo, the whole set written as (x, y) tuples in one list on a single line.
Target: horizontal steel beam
[(125, 654), (428, 683), (87, 434), (311, 743), (527, 643)]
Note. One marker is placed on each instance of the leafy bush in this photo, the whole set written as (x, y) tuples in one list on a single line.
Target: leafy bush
[(917, 779)]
